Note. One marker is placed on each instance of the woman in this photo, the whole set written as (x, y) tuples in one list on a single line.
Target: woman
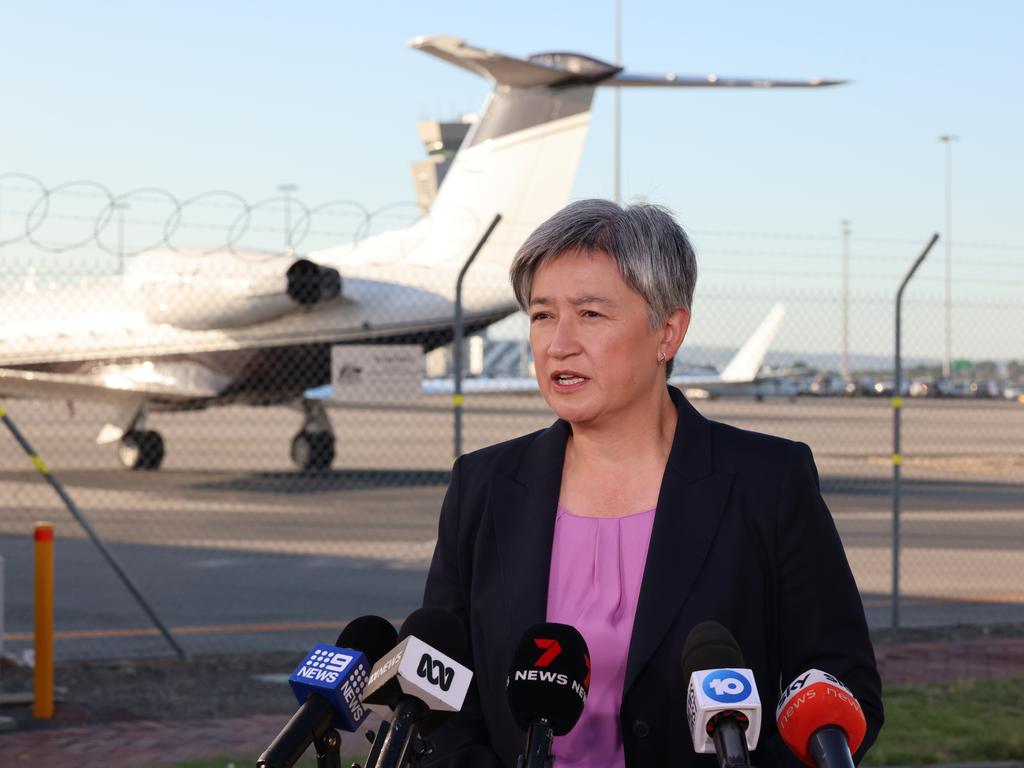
[(634, 518)]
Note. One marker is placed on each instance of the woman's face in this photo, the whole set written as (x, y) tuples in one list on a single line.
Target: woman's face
[(594, 350)]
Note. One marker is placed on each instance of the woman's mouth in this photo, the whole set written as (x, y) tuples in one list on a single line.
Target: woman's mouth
[(568, 379)]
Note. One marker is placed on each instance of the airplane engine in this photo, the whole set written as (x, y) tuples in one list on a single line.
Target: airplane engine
[(309, 283), (225, 290)]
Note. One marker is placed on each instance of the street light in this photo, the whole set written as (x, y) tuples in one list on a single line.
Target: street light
[(947, 357), (286, 190), (120, 207), (846, 301)]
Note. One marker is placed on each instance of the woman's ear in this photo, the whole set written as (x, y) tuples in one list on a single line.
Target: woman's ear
[(673, 331)]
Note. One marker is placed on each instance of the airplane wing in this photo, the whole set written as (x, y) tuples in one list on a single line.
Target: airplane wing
[(117, 384)]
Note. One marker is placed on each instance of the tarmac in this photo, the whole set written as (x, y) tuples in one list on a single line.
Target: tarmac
[(140, 744)]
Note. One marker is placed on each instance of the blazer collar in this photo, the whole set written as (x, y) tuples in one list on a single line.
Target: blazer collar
[(690, 507), (523, 505)]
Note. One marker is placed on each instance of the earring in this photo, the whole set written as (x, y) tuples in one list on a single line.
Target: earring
[(661, 358)]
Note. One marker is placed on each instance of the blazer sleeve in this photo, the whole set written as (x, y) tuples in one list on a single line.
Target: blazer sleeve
[(461, 742), (821, 616)]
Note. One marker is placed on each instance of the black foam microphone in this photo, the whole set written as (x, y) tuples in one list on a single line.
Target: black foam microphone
[(722, 705), (370, 635), (548, 683), (423, 680)]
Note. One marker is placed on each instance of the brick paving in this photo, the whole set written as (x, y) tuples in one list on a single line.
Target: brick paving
[(144, 743)]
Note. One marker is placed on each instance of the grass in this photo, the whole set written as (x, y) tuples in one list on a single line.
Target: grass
[(972, 720), (968, 721)]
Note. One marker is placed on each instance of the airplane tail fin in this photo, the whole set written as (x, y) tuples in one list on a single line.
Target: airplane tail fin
[(520, 158), (747, 361)]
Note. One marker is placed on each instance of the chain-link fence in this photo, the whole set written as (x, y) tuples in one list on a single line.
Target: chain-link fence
[(288, 500)]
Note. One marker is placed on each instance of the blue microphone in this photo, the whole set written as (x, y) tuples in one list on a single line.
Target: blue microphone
[(328, 685)]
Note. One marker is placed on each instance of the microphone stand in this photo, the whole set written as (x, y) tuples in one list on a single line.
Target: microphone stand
[(538, 746), (328, 749)]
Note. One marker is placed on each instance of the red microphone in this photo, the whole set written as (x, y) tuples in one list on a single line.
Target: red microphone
[(820, 720)]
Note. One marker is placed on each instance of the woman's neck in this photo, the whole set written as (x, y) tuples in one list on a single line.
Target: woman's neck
[(641, 437)]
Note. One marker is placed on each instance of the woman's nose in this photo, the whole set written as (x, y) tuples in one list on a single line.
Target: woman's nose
[(564, 340)]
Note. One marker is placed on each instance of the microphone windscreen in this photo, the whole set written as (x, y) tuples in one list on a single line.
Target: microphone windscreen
[(815, 700), (710, 646), (550, 677), (372, 635), (439, 629)]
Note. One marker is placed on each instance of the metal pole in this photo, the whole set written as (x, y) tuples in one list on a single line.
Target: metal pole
[(287, 189), (846, 301), (457, 335), (947, 355), (87, 527), (897, 457), (617, 110), (120, 234)]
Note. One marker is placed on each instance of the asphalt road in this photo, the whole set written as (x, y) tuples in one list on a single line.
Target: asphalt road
[(237, 552)]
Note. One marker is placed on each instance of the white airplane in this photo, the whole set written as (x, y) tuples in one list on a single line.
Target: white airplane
[(188, 329)]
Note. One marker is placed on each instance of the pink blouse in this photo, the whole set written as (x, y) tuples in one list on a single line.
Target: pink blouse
[(597, 565)]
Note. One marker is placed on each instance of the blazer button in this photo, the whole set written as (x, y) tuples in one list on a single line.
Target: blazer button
[(640, 729)]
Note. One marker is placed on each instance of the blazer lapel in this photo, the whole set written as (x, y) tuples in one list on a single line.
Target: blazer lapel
[(690, 506), (522, 510)]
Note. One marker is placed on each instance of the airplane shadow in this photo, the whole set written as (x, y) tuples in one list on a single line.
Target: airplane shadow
[(327, 481)]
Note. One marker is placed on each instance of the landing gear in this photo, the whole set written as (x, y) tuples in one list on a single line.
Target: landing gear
[(141, 449), (313, 446)]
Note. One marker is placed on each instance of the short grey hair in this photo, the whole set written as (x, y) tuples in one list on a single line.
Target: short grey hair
[(651, 250)]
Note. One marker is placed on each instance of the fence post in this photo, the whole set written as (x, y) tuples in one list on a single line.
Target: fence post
[(458, 334), (42, 700), (83, 521), (897, 457)]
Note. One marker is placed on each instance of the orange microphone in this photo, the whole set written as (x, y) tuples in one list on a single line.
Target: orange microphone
[(820, 720)]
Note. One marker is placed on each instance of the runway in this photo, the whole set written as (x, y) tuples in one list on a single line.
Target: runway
[(238, 552)]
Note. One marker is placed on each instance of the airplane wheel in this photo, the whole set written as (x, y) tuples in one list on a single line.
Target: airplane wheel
[(313, 450), (141, 449)]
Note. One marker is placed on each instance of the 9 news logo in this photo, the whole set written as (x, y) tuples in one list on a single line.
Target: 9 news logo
[(726, 686)]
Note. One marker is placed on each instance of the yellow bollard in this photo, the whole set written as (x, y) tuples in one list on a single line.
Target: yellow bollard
[(43, 700)]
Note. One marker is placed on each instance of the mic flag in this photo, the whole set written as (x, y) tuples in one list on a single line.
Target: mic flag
[(338, 673), (422, 665), (813, 701), (549, 678), (721, 691)]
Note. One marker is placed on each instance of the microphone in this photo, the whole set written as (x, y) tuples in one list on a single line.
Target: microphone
[(328, 684), (821, 720), (547, 687), (722, 704), (421, 680)]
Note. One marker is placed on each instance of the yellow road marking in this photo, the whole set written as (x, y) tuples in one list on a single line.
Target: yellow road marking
[(211, 629)]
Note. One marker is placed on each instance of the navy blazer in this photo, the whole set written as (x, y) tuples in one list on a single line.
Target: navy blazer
[(741, 536)]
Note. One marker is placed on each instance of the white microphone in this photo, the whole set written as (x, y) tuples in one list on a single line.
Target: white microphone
[(419, 680), (722, 704)]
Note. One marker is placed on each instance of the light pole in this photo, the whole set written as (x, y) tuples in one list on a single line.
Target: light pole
[(616, 108), (947, 357), (121, 207), (287, 190), (845, 319)]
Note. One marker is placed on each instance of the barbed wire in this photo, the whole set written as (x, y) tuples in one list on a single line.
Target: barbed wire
[(39, 209)]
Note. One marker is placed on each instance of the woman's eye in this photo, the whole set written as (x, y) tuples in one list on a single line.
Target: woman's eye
[(590, 313), (538, 316)]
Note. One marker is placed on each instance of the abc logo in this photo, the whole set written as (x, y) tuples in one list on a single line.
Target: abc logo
[(435, 672), (726, 686)]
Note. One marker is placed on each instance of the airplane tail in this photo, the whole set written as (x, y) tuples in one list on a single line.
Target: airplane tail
[(747, 361), (520, 158)]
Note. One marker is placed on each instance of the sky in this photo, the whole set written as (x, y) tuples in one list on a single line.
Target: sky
[(193, 96)]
